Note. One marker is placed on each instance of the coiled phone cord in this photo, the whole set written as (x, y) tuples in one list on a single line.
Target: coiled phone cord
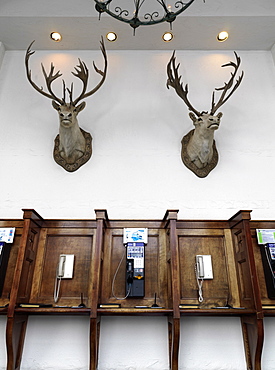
[(200, 283)]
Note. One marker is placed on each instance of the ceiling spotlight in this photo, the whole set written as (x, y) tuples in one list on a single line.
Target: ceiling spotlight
[(111, 36), (167, 36), (140, 14), (55, 36), (222, 36)]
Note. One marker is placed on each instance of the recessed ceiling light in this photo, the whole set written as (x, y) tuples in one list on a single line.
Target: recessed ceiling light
[(167, 36), (222, 36), (55, 36), (111, 36)]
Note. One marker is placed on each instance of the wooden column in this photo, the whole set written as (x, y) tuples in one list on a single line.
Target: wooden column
[(16, 324), (101, 219), (252, 325), (170, 223)]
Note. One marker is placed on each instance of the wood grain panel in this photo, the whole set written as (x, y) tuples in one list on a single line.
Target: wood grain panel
[(114, 269), (215, 291), (50, 247), (243, 270)]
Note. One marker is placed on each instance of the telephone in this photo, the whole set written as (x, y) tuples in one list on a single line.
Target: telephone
[(204, 267), (268, 259), (64, 270), (65, 266), (4, 258), (135, 270), (203, 271), (134, 240)]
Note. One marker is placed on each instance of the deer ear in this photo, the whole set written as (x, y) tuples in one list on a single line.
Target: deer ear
[(55, 105), (80, 107), (193, 117), (219, 115)]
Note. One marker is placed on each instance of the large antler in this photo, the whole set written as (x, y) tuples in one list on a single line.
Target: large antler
[(228, 85), (82, 73), (49, 79), (174, 81)]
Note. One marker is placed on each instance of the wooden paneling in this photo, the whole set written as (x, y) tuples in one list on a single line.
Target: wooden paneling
[(114, 264), (52, 243), (243, 269), (215, 291), (28, 266), (100, 262)]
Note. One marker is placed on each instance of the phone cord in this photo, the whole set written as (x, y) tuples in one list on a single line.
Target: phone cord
[(56, 288), (200, 283), (114, 278)]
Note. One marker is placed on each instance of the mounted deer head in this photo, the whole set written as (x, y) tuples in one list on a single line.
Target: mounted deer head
[(73, 146), (199, 151)]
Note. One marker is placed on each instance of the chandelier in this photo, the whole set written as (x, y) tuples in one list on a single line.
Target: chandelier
[(164, 12)]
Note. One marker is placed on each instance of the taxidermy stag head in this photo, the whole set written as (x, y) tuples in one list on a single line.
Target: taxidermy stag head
[(199, 151), (73, 146)]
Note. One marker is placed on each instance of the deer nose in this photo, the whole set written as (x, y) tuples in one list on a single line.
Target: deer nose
[(65, 115)]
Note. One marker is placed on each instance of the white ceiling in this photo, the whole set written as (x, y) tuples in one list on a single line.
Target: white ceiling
[(250, 23)]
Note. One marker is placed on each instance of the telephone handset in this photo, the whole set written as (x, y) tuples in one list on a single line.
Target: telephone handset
[(64, 270), (200, 267), (62, 260)]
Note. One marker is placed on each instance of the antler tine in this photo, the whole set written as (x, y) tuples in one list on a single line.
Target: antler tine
[(228, 85), (49, 79), (175, 82), (70, 91), (64, 92), (82, 72)]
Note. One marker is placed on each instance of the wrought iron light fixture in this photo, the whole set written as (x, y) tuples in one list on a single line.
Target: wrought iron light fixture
[(164, 12)]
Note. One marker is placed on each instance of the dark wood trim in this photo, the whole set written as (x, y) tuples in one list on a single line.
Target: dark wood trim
[(36, 230)]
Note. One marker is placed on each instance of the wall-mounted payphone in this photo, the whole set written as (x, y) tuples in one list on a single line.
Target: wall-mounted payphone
[(266, 239), (135, 269), (134, 240), (268, 258), (6, 238), (4, 258)]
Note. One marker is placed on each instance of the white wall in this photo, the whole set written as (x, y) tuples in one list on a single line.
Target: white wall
[(273, 52), (2, 52), (136, 172)]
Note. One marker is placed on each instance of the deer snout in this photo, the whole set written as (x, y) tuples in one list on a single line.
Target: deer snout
[(214, 123), (65, 118)]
